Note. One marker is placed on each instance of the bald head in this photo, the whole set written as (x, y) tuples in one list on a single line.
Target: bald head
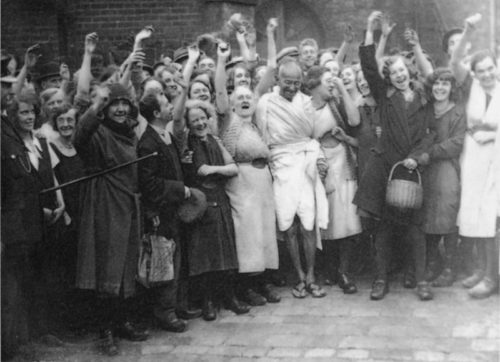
[(290, 67), (289, 79)]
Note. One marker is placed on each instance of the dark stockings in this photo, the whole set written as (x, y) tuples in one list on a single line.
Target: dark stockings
[(415, 242)]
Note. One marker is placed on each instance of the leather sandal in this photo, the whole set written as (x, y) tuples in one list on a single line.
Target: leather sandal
[(315, 290), (299, 291)]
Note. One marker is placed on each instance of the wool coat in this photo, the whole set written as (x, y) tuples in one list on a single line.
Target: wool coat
[(109, 233), (405, 134)]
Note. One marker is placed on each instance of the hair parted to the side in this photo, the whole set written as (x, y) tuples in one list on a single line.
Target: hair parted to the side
[(231, 73), (444, 74), (308, 42), (148, 106), (65, 108), (26, 96), (481, 55), (209, 87), (197, 104), (313, 76), (388, 62)]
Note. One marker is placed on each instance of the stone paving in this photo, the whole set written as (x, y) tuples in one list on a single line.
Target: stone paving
[(335, 328)]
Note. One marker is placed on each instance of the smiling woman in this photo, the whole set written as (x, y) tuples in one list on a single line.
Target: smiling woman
[(110, 209), (26, 170), (211, 246), (442, 176), (405, 138)]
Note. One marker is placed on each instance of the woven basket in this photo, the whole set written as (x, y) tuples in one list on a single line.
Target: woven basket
[(404, 194)]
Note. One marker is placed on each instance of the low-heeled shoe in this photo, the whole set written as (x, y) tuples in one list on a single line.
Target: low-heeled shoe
[(380, 288), (128, 331)]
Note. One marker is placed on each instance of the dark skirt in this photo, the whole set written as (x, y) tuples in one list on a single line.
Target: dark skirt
[(211, 245)]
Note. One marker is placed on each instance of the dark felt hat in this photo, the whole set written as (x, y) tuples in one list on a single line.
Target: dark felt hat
[(47, 70), (148, 69), (180, 55), (194, 207), (118, 91), (448, 35)]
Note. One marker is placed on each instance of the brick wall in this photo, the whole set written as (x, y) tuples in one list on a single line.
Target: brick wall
[(25, 22), (175, 22)]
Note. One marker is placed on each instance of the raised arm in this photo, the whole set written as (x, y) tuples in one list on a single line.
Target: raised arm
[(179, 124), (423, 64), (387, 28), (85, 74), (193, 55), (267, 81), (351, 109), (30, 59), (460, 71), (90, 121), (368, 62), (348, 40), (242, 42), (131, 69), (141, 36), (66, 78), (221, 97), (132, 65)]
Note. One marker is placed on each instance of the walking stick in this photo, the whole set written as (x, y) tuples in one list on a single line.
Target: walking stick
[(97, 174)]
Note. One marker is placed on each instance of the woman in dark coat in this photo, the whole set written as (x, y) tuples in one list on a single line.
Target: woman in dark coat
[(109, 232), (211, 245), (405, 137), (26, 170), (442, 176)]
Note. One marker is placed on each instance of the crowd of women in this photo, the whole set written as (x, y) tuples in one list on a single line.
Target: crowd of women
[(225, 155)]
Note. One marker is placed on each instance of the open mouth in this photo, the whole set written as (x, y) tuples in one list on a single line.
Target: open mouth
[(201, 127), (245, 105), (203, 97)]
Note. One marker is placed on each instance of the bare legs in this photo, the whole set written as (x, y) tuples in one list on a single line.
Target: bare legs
[(306, 277)]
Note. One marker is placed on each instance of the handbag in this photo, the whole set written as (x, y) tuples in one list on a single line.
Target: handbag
[(156, 260)]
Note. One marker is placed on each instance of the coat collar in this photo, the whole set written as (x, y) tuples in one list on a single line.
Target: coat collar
[(416, 86)]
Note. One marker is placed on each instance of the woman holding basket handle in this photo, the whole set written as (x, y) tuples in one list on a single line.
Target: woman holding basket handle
[(404, 140)]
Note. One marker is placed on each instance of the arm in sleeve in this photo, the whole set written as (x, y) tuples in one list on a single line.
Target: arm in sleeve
[(452, 146), (86, 127), (155, 189), (370, 70)]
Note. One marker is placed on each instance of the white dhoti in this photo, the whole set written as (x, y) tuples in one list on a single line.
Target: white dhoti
[(297, 186)]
